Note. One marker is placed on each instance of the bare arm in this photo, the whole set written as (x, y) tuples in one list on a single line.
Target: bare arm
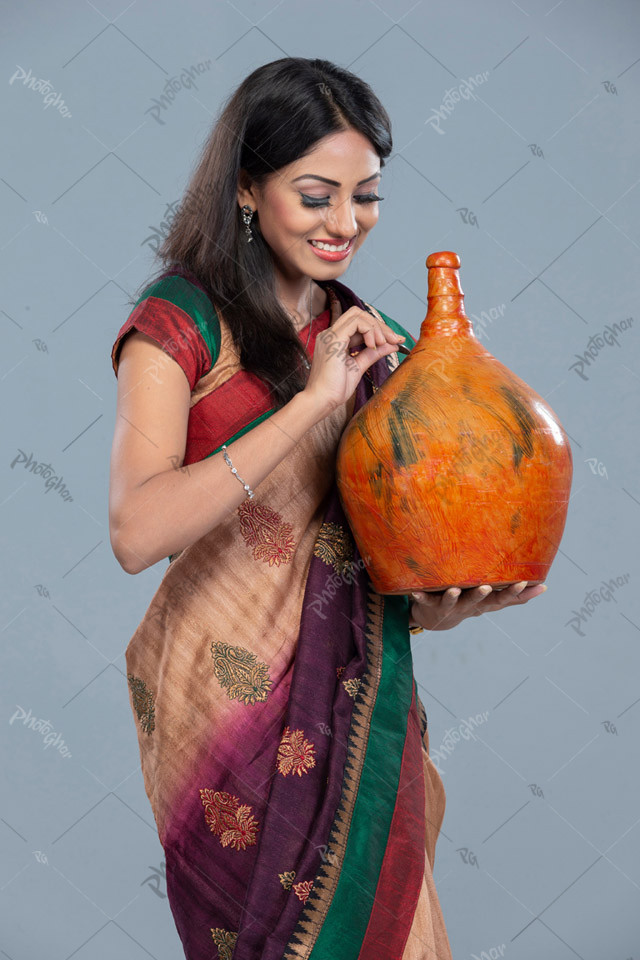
[(157, 507)]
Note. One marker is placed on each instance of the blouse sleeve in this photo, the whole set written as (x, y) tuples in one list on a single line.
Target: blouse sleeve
[(181, 319)]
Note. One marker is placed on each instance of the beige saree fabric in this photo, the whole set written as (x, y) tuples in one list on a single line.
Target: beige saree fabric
[(428, 938), (239, 586)]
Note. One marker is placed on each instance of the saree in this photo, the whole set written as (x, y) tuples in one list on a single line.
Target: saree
[(283, 744)]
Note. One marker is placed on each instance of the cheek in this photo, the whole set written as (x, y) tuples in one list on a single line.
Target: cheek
[(288, 218), (368, 218), (371, 214), (368, 214)]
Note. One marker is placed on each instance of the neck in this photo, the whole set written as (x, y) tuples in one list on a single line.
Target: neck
[(295, 299)]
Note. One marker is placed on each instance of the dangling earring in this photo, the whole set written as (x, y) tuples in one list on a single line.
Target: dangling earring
[(247, 214)]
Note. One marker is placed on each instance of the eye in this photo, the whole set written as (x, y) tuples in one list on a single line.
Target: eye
[(368, 198), (307, 201), (312, 201)]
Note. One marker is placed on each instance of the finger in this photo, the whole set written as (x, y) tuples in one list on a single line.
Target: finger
[(390, 334), (360, 323), (449, 598), (476, 594), (376, 336), (520, 592), (363, 339), (512, 593), (443, 601), (516, 594), (435, 597), (530, 592), (367, 356)]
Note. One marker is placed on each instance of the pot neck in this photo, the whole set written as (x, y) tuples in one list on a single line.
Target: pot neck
[(445, 313)]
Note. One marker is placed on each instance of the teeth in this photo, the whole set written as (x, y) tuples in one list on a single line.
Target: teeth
[(328, 246)]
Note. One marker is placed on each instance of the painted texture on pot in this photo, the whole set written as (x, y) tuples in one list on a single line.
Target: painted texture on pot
[(455, 472)]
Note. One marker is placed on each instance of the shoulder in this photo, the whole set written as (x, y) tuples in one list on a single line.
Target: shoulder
[(181, 318)]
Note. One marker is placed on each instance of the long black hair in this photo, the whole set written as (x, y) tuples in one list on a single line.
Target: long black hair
[(277, 115)]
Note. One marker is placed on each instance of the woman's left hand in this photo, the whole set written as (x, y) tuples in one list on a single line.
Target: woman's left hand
[(441, 611)]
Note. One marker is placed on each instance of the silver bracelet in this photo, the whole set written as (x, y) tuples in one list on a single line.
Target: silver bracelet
[(234, 470)]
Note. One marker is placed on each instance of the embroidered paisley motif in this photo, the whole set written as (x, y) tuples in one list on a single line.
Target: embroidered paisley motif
[(230, 820), (225, 941), (303, 889), (352, 686), (295, 754), (143, 703), (266, 531), (334, 546), (287, 878), (239, 671)]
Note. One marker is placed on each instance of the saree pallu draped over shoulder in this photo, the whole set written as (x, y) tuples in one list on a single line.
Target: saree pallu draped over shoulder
[(284, 748)]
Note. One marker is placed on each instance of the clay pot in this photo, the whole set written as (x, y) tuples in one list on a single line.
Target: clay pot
[(455, 472)]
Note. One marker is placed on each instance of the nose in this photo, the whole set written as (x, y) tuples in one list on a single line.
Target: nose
[(341, 219)]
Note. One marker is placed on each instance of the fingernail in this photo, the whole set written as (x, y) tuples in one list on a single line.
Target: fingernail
[(544, 587), (400, 337), (485, 589), (417, 596)]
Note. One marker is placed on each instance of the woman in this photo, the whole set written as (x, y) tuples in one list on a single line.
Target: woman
[(283, 743)]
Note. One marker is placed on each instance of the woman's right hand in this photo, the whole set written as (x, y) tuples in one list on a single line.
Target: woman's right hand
[(441, 610), (334, 374)]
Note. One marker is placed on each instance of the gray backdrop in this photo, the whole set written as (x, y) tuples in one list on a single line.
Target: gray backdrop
[(533, 180)]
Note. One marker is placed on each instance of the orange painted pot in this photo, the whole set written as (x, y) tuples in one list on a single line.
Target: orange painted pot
[(455, 472)]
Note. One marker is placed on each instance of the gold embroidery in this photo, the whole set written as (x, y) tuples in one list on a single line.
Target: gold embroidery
[(302, 890), (225, 941), (229, 819), (143, 703), (287, 878), (295, 754), (334, 546), (266, 531), (340, 671), (392, 362), (239, 671), (351, 686)]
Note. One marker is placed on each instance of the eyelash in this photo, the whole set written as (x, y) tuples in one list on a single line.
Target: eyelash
[(307, 201)]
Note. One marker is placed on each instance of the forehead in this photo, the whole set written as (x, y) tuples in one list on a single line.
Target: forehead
[(347, 156)]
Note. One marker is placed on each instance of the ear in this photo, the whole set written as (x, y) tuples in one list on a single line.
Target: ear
[(246, 192)]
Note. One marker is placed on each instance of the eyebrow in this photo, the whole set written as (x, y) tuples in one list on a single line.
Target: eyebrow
[(334, 183)]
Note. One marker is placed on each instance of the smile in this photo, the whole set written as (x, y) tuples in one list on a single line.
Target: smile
[(333, 252), (330, 246)]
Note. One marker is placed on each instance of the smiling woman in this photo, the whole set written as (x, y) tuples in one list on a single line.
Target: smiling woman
[(284, 746), (307, 216)]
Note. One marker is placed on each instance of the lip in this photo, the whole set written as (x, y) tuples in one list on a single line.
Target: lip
[(333, 240), (329, 255)]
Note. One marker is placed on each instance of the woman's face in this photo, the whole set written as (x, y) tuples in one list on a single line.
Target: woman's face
[(298, 205)]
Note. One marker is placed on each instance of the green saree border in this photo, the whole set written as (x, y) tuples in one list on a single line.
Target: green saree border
[(398, 328), (334, 920)]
